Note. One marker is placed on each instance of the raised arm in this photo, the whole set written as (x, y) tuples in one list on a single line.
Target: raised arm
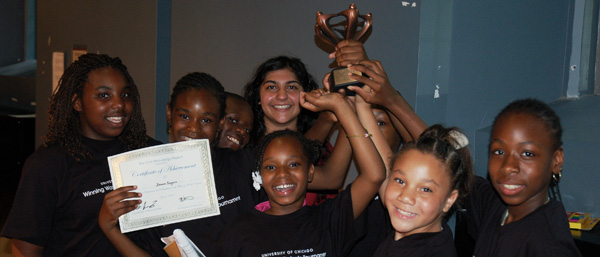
[(331, 175), (367, 119), (372, 169), (381, 92), (115, 205), (404, 134), (378, 90), (346, 52), (322, 128)]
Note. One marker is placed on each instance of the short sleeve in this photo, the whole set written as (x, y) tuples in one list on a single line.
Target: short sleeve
[(34, 208), (343, 226), (479, 200)]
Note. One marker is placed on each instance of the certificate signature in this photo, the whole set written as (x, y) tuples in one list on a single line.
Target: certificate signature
[(176, 181)]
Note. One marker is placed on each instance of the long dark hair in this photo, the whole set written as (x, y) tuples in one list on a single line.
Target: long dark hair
[(252, 93), (64, 123)]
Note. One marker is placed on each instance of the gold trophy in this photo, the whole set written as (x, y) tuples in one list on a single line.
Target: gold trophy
[(328, 34)]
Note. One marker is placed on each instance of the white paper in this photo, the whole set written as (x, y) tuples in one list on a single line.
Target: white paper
[(176, 181)]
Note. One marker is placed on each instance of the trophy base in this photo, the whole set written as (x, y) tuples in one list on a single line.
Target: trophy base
[(340, 80)]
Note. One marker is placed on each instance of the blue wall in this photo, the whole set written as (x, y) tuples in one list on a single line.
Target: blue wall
[(483, 54), (580, 119), (479, 55)]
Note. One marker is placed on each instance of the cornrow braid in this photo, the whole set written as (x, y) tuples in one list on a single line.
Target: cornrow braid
[(540, 110), (312, 149), (64, 120)]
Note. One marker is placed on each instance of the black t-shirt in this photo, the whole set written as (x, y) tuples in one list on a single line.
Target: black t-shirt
[(544, 232), (378, 227), (236, 195), (323, 230), (419, 245), (58, 200)]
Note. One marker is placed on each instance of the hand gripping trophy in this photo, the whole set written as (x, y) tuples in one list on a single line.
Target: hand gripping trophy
[(355, 28)]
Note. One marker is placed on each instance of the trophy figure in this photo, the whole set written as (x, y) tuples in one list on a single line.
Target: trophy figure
[(324, 31)]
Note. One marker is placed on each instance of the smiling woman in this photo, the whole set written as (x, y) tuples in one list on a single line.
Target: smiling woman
[(274, 94)]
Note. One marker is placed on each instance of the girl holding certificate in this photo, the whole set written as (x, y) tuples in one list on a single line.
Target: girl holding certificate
[(195, 111), (94, 113)]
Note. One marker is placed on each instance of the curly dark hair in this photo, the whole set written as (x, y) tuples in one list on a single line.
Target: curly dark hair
[(200, 80), (311, 149), (64, 121), (540, 110), (252, 93), (441, 143)]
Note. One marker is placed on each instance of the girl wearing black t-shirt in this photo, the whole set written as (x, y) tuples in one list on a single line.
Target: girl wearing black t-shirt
[(425, 178), (195, 111), (285, 169), (511, 214), (94, 113)]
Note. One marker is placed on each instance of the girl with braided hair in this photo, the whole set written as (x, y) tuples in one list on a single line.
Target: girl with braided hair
[(94, 113), (511, 214), (426, 180)]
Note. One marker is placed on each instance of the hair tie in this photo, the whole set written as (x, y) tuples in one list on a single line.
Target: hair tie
[(460, 140)]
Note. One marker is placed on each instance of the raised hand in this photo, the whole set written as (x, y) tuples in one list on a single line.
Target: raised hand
[(321, 100), (378, 89), (349, 51)]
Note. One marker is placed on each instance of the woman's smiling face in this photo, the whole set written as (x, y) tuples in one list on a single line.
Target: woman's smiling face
[(280, 100)]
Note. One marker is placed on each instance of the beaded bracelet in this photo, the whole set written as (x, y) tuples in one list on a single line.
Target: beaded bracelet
[(363, 135)]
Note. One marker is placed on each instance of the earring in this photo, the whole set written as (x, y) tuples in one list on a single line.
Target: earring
[(556, 177)]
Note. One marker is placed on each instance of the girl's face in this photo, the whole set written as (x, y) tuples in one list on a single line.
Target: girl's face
[(522, 161), (194, 115), (418, 194), (237, 124), (280, 100), (387, 128), (285, 172), (105, 105)]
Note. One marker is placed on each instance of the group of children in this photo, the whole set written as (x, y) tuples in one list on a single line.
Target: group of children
[(266, 149)]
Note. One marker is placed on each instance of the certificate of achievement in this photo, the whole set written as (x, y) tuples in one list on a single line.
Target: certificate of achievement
[(176, 181)]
